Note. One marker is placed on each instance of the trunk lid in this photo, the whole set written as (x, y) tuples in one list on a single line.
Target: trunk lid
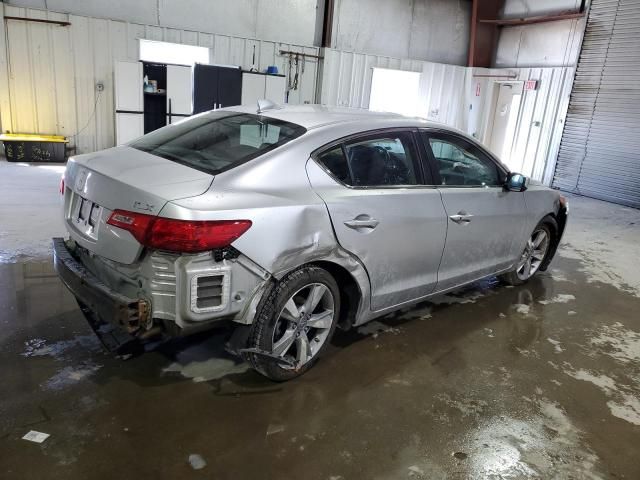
[(122, 178)]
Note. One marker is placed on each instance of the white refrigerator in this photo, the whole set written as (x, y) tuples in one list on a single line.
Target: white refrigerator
[(128, 83)]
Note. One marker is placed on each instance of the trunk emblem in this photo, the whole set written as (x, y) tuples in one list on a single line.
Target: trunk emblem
[(146, 207), (81, 180)]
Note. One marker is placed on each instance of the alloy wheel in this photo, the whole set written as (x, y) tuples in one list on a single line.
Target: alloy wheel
[(303, 324), (533, 254)]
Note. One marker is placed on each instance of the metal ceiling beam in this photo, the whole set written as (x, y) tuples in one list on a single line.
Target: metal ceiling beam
[(327, 23), (502, 22), (483, 36)]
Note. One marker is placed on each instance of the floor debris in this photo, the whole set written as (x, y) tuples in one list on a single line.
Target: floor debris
[(557, 346), (197, 462), (414, 470), (273, 429), (35, 436), (560, 298)]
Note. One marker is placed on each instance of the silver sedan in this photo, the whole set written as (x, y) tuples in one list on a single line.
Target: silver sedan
[(286, 223)]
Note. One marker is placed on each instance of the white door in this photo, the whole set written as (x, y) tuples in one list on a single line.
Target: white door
[(504, 121), (275, 88), (128, 81), (129, 126), (179, 90), (252, 88)]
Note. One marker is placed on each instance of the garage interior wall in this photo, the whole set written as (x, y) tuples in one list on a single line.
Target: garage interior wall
[(284, 21), (464, 98), (550, 44), (599, 151), (53, 70), (433, 30)]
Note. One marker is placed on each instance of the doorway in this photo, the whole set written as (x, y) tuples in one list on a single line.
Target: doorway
[(508, 97)]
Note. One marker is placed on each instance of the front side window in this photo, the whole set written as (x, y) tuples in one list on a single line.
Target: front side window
[(461, 163), (217, 141), (380, 161)]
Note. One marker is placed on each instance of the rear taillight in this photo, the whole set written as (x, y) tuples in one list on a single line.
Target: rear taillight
[(189, 236), (62, 185), (136, 223)]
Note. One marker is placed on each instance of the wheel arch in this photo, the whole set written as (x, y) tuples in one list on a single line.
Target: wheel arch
[(557, 225), (350, 292)]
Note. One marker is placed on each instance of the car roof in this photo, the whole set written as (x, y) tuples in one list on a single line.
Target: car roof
[(314, 116)]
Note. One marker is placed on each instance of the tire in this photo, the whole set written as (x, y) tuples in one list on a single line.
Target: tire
[(518, 275), (276, 323)]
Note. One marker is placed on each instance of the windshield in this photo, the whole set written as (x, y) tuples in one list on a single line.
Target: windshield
[(218, 141)]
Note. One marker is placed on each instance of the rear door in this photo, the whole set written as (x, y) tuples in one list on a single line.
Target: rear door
[(383, 212), (484, 220)]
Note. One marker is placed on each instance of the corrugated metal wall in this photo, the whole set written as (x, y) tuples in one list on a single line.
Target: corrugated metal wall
[(458, 97), (53, 70), (346, 76), (599, 154)]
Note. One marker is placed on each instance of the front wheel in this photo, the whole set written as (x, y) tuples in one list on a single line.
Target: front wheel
[(534, 254), (294, 324)]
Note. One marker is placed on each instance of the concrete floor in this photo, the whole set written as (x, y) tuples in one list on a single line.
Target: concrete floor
[(541, 380)]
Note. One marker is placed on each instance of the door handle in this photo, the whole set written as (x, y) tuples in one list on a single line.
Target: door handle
[(363, 223), (461, 218)]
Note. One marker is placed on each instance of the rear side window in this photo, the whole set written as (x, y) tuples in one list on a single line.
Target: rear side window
[(218, 141), (377, 161)]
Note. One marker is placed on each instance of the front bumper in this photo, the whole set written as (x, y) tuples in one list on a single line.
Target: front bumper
[(116, 319)]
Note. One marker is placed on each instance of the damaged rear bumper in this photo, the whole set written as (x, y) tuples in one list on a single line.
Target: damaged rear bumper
[(115, 318)]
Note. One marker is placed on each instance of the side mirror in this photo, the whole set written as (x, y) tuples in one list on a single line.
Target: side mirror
[(516, 182)]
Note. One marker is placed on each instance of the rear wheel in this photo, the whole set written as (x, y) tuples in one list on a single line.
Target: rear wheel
[(294, 324), (534, 254)]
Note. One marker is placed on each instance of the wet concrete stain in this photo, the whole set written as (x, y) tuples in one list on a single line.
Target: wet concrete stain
[(487, 382)]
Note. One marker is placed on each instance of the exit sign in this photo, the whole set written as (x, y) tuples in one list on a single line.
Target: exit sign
[(531, 85)]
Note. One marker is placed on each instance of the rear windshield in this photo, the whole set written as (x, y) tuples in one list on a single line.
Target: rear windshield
[(218, 141)]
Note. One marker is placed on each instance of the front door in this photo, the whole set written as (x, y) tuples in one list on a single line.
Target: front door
[(484, 220), (383, 213)]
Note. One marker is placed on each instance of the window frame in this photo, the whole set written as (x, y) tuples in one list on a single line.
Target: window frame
[(461, 141), (423, 174)]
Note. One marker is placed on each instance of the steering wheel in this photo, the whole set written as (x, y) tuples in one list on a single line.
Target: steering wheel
[(384, 153)]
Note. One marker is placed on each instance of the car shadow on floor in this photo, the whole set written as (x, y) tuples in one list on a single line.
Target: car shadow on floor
[(428, 328)]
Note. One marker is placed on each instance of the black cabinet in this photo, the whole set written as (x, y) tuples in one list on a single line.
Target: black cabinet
[(229, 87), (216, 87)]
